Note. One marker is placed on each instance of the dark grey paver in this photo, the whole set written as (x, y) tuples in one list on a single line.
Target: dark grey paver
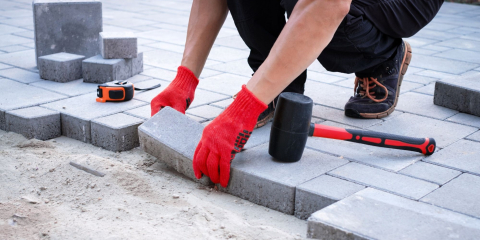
[(445, 133), (172, 138), (465, 119), (117, 132), (34, 122), (461, 94), (77, 112), (462, 194), (71, 89), (422, 104), (256, 177), (373, 214), (386, 181), (321, 192), (114, 45), (20, 75), (429, 172), (463, 155), (67, 26), (60, 67)]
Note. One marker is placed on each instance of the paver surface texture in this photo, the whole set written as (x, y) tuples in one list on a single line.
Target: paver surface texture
[(340, 179)]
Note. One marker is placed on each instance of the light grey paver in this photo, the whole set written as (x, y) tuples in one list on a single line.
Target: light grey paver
[(20, 75), (223, 104), (114, 45), (71, 89), (117, 132), (429, 89), (4, 66), (463, 155), (445, 133), (77, 112), (386, 181), (226, 54), (435, 74), (422, 104), (321, 192), (224, 83), (328, 95), (169, 60), (141, 112), (460, 55), (373, 214), (462, 44), (60, 67), (474, 137), (239, 67), (159, 73), (34, 122), (442, 64), (336, 115), (80, 23), (324, 77), (419, 78), (205, 111), (259, 136), (462, 94), (429, 172), (462, 195), (256, 177), (465, 119), (99, 70)]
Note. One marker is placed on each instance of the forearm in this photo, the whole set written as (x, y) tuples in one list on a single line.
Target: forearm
[(206, 19), (307, 32)]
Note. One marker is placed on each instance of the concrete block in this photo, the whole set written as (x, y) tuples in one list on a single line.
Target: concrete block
[(172, 138), (461, 94), (373, 214), (463, 155), (114, 45), (136, 63), (462, 194), (224, 83), (422, 104), (3, 124), (465, 119), (117, 132), (429, 89), (223, 104), (141, 112), (78, 112), (474, 137), (441, 64), (205, 111), (337, 115), (238, 67), (460, 55), (386, 181), (429, 172), (60, 67), (326, 78), (71, 89), (159, 73), (257, 177), (321, 192), (34, 122), (99, 70), (327, 94), (20, 75), (23, 59), (71, 26)]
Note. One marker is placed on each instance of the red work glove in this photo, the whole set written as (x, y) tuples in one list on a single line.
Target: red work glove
[(179, 93), (226, 136)]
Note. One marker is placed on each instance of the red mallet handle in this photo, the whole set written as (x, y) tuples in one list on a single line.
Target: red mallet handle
[(422, 145)]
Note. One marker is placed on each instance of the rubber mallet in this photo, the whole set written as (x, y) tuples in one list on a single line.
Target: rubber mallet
[(292, 126)]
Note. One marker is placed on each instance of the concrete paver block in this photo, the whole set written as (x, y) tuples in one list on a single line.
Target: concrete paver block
[(224, 83), (71, 89), (77, 113), (474, 137), (462, 195), (386, 181), (422, 104), (71, 26), (461, 94), (117, 132), (328, 95), (239, 67), (99, 70), (23, 59), (172, 138), (441, 64), (20, 75), (141, 112), (321, 192), (373, 214), (337, 115), (205, 111), (429, 172), (60, 67), (114, 45), (463, 155), (257, 177), (34, 122), (465, 119)]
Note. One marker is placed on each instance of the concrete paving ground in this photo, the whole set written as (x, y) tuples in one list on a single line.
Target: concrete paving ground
[(448, 47)]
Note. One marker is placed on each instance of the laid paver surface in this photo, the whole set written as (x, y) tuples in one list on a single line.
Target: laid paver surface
[(446, 49)]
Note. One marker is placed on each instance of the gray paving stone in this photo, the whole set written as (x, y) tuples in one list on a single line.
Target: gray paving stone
[(463, 155), (203, 97), (324, 77), (336, 115), (422, 104), (20, 75), (223, 104), (239, 67), (226, 54), (434, 74), (429, 172), (465, 119), (474, 137), (417, 42), (114, 45), (429, 89), (165, 35), (328, 95), (117, 132), (14, 48), (163, 59), (442, 64), (435, 35), (34, 122), (6, 29), (77, 113), (461, 94), (259, 136), (138, 79), (467, 44), (26, 34), (460, 55), (386, 181), (205, 111), (99, 70), (141, 112), (460, 195), (232, 41), (224, 83), (9, 40), (60, 67), (167, 46), (159, 73), (256, 177), (321, 192), (419, 79), (445, 133), (195, 118), (71, 89), (373, 214), (4, 66), (409, 86), (67, 26), (172, 138)]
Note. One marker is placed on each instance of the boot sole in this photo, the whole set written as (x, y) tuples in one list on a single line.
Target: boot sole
[(406, 61)]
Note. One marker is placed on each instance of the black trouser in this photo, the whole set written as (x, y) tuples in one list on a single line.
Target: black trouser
[(368, 36)]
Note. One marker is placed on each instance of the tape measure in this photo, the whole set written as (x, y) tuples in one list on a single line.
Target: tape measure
[(118, 91)]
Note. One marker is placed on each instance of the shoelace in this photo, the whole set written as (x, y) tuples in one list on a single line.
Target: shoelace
[(365, 85)]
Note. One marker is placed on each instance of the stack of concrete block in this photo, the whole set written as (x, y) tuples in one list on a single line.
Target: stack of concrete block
[(460, 93), (118, 60), (60, 67)]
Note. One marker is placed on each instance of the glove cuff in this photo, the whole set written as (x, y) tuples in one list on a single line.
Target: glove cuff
[(185, 79), (246, 105)]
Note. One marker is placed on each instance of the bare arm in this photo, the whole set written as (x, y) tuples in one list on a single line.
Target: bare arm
[(206, 19), (307, 32)]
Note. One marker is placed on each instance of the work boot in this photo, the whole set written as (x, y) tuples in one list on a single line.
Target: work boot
[(266, 115), (377, 90)]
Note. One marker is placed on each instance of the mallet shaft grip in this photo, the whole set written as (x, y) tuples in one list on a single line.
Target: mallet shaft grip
[(422, 145)]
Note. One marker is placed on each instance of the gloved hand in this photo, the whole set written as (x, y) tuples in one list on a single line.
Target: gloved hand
[(179, 93), (225, 136)]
